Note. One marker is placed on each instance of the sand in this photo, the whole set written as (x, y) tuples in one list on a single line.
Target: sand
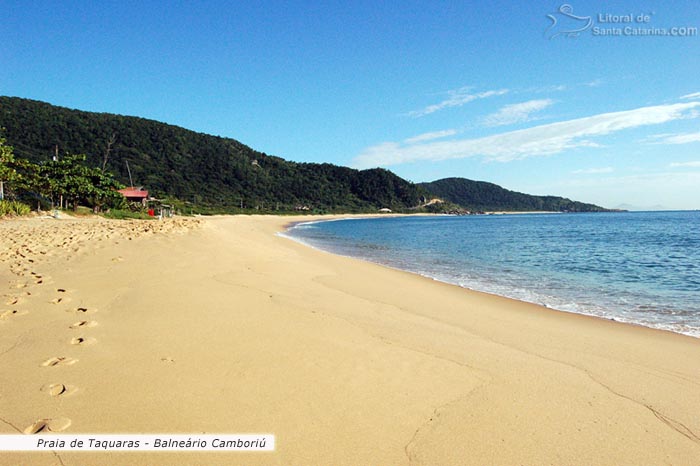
[(217, 325)]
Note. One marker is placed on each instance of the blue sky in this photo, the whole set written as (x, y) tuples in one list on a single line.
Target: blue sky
[(495, 91)]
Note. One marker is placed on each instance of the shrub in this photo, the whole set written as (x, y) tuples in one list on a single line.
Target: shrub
[(13, 208)]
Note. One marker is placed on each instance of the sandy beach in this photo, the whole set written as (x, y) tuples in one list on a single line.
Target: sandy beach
[(218, 325)]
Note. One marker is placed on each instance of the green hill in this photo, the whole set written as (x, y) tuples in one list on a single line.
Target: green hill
[(209, 171), (483, 196), (222, 174)]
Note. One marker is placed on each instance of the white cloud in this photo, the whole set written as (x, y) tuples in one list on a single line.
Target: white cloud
[(593, 171), (457, 98), (564, 87), (683, 138), (516, 113), (693, 164), (547, 139), (551, 88), (694, 95), (431, 136)]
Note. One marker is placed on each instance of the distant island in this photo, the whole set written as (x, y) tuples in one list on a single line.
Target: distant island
[(212, 174)]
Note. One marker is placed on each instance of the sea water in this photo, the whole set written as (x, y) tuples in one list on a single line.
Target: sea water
[(637, 267)]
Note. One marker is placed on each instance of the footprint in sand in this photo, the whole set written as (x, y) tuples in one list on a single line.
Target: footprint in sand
[(59, 361), (81, 310), (48, 425), (58, 389), (83, 341), (84, 324), (11, 313)]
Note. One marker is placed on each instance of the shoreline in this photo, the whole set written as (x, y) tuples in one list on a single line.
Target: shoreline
[(666, 327), (236, 329)]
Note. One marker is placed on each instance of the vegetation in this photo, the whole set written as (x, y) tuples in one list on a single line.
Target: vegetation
[(210, 173), (7, 171), (482, 196), (66, 180), (199, 173), (13, 208)]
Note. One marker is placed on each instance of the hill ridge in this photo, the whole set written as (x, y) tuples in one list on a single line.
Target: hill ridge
[(223, 174), (485, 196), (204, 169)]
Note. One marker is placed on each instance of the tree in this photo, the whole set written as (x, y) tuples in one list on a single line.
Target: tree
[(67, 178), (110, 143), (104, 190), (7, 170)]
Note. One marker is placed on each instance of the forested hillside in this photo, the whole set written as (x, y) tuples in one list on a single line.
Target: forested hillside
[(199, 168), (222, 174), (483, 196)]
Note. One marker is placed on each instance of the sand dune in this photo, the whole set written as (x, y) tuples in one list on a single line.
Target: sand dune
[(218, 326)]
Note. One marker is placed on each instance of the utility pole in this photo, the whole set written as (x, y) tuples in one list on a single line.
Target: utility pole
[(129, 170)]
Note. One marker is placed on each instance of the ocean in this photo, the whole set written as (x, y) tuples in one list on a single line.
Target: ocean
[(636, 267)]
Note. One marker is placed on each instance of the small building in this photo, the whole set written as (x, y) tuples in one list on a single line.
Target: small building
[(135, 194), (385, 210), (157, 209)]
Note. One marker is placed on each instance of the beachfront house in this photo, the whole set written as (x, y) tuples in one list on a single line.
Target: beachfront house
[(135, 194)]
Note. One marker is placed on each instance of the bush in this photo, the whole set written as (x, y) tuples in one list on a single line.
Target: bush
[(83, 211), (13, 208)]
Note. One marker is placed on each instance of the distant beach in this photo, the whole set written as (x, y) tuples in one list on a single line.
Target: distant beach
[(218, 324)]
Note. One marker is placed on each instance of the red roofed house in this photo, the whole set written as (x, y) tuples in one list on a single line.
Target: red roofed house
[(135, 194)]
